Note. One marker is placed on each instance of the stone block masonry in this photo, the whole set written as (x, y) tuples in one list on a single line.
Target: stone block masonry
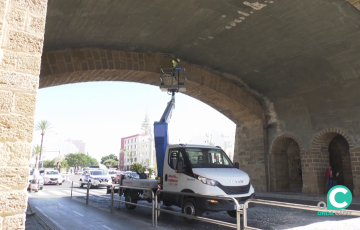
[(22, 26)]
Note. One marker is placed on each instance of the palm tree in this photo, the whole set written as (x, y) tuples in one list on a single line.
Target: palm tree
[(42, 126), (35, 152)]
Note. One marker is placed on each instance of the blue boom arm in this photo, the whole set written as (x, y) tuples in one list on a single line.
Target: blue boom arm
[(161, 135)]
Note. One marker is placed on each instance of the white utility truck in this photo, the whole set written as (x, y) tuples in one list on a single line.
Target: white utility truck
[(197, 169)]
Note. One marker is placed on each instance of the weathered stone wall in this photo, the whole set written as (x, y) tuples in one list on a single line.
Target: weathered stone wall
[(250, 152), (22, 26)]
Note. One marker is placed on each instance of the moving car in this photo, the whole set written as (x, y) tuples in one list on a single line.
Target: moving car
[(52, 177), (128, 174), (97, 178), (40, 180), (79, 172), (112, 173)]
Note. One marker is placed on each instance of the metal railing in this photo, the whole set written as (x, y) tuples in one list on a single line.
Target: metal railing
[(145, 206), (238, 211), (287, 205), (119, 200)]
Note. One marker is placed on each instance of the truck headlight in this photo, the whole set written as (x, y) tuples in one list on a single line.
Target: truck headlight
[(206, 180), (46, 178)]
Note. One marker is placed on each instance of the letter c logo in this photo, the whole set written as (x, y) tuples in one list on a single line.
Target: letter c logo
[(332, 197), (338, 198)]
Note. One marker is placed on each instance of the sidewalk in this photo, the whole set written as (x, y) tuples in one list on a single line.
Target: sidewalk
[(64, 213), (299, 196), (33, 221)]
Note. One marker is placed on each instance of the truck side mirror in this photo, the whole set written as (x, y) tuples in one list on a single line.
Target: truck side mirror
[(237, 165), (179, 167)]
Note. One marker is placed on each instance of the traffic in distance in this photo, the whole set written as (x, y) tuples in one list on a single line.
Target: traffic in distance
[(39, 178)]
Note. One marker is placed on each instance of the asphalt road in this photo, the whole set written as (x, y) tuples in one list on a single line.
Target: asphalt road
[(68, 213)]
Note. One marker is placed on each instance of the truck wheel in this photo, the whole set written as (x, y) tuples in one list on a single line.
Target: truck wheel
[(232, 213), (189, 207), (129, 199)]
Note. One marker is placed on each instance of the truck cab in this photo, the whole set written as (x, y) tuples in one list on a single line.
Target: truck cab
[(204, 170)]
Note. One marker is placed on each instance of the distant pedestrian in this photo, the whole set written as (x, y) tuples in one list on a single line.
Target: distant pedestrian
[(328, 181), (333, 175)]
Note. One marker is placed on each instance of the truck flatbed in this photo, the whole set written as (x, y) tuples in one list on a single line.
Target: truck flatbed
[(141, 183)]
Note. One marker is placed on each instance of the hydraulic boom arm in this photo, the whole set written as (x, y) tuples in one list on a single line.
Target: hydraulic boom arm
[(161, 135)]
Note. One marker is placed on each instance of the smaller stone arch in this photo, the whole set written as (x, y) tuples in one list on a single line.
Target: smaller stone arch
[(285, 164), (332, 146)]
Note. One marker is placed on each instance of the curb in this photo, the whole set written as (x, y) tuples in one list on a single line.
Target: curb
[(296, 197)]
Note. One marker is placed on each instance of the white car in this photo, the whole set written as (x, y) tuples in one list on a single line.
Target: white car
[(97, 178), (112, 173), (52, 177)]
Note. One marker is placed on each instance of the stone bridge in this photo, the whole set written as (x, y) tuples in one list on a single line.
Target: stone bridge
[(286, 72)]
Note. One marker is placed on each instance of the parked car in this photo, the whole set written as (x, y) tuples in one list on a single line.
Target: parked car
[(52, 177), (40, 180)]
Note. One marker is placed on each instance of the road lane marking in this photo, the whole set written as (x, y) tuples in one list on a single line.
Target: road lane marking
[(60, 204), (103, 192), (58, 193), (78, 213), (107, 227)]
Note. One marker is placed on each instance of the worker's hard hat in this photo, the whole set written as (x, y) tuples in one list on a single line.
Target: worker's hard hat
[(177, 59)]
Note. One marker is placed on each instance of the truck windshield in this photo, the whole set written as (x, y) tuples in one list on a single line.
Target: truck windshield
[(208, 158)]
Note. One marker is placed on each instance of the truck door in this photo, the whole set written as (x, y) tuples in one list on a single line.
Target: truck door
[(173, 181)]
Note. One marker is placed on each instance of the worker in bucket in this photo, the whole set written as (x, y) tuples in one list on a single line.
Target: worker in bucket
[(176, 65)]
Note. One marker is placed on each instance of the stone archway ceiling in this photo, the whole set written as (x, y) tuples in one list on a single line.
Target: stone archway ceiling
[(287, 54)]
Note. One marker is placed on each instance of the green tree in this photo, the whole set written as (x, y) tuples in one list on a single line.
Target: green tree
[(110, 156), (136, 167), (110, 162), (150, 171), (36, 152), (49, 164), (80, 159), (64, 164), (42, 126)]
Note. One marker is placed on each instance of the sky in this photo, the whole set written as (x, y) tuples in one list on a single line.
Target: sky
[(101, 113)]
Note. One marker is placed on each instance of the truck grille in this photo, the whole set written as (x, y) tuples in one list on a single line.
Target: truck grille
[(231, 190)]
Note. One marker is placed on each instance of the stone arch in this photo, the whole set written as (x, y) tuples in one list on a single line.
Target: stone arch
[(85, 65), (332, 145), (285, 160)]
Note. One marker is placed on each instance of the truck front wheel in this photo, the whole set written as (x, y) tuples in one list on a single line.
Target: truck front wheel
[(128, 198), (189, 207)]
